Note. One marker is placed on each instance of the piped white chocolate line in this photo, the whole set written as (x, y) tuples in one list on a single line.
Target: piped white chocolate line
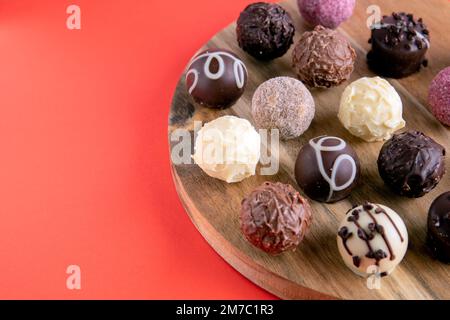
[(319, 148), (238, 68)]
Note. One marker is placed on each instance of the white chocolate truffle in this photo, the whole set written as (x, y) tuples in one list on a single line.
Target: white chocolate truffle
[(372, 239), (371, 109), (228, 148), (285, 104)]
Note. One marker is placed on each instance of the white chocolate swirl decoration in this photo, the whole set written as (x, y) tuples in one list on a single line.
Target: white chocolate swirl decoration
[(319, 148), (239, 69)]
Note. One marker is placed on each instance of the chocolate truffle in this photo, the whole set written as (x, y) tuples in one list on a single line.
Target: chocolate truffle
[(285, 104), (371, 109), (227, 148), (439, 96), (411, 163), (372, 239), (327, 169), (328, 13), (274, 217), (399, 44), (216, 78), (265, 30), (438, 239), (323, 58)]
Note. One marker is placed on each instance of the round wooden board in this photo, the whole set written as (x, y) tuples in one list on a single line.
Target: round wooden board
[(315, 269)]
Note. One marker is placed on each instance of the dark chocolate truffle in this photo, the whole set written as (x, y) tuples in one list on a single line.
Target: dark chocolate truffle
[(265, 30), (323, 58), (399, 44), (274, 217), (216, 78), (411, 163), (327, 169), (438, 239)]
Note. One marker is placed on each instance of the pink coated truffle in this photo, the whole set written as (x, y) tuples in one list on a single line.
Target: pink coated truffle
[(328, 13), (439, 96)]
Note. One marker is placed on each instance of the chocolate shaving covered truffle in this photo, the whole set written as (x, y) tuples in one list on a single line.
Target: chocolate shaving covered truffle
[(274, 217), (265, 30), (323, 58)]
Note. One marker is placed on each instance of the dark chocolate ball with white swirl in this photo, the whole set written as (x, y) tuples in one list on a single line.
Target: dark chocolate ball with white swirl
[(411, 163), (274, 217), (327, 169), (372, 239), (399, 43), (438, 239), (265, 30), (216, 78)]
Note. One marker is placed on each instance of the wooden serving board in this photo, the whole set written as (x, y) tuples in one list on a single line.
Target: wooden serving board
[(315, 269)]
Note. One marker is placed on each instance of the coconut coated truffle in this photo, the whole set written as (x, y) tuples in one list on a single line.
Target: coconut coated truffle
[(285, 104)]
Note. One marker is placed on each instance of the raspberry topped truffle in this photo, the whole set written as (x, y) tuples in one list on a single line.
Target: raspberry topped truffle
[(328, 13), (439, 96), (265, 30), (399, 44)]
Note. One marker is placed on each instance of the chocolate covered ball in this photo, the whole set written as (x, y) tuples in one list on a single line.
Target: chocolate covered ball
[(265, 30), (399, 44), (274, 217), (372, 239), (438, 239), (328, 13), (285, 104), (439, 96), (411, 163), (323, 58), (216, 78), (327, 169)]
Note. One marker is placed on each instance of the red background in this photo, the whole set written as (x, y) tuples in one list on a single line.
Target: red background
[(84, 162)]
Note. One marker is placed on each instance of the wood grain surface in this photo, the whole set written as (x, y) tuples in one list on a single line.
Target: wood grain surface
[(315, 269)]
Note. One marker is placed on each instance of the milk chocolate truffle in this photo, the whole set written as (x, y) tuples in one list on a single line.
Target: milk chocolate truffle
[(274, 217), (285, 104), (216, 78), (265, 30), (438, 239), (411, 163), (327, 169), (399, 44), (439, 96), (323, 58), (372, 239), (328, 13)]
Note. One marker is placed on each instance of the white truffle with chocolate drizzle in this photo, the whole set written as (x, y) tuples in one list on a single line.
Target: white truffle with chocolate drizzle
[(372, 239)]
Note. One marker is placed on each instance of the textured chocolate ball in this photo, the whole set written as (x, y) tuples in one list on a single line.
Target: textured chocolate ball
[(439, 96), (216, 78), (399, 44), (265, 30), (285, 104), (327, 169), (438, 239), (328, 13), (323, 58), (411, 163), (274, 217)]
